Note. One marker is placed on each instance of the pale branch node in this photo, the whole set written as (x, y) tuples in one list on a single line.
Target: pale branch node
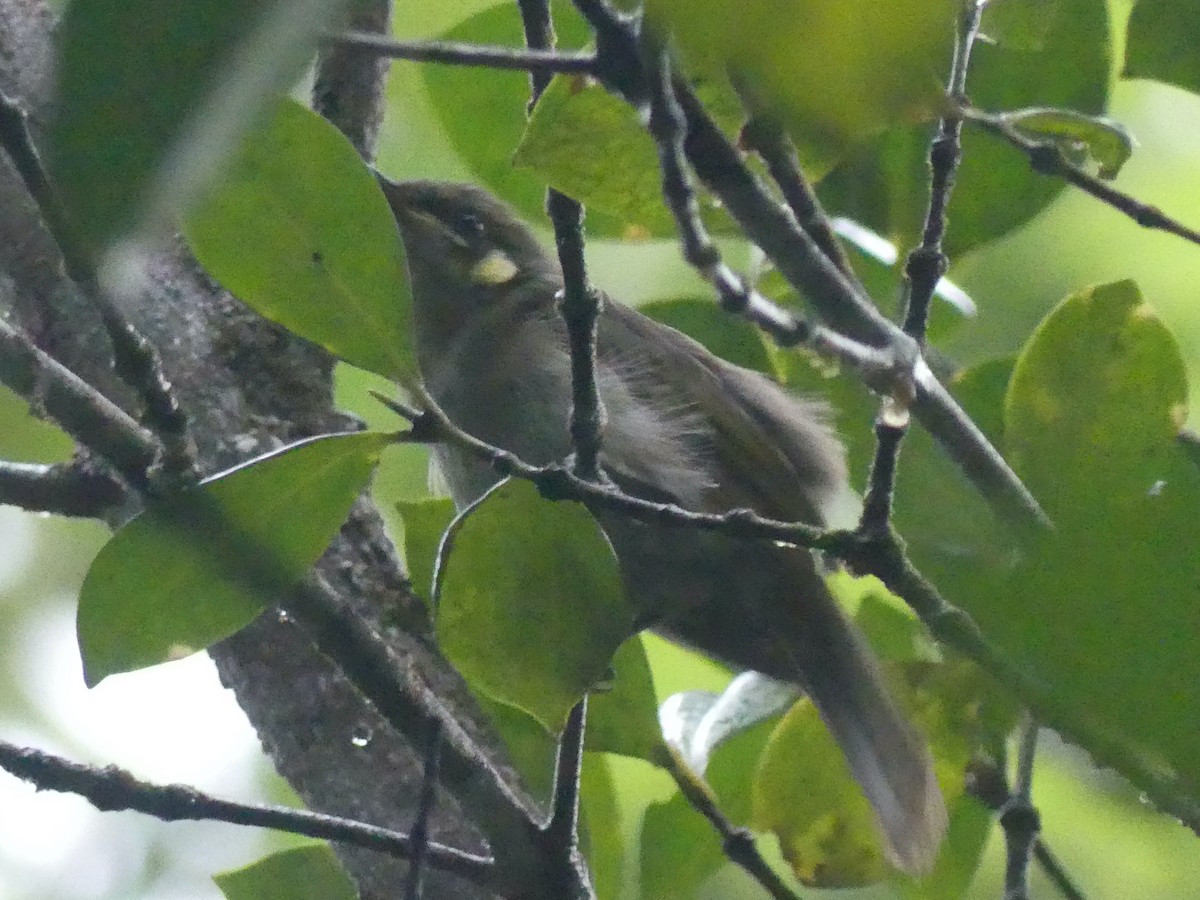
[(923, 270), (111, 788)]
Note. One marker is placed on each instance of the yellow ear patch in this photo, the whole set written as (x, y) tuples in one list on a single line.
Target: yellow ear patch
[(495, 268)]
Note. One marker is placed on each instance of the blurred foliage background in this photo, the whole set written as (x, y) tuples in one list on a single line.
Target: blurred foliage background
[(175, 722)]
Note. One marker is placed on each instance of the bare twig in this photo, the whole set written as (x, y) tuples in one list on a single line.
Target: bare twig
[(737, 843), (766, 137), (988, 783), (924, 269), (580, 305), (1020, 818), (111, 788), (419, 835), (65, 489), (928, 263), (459, 54), (1047, 158)]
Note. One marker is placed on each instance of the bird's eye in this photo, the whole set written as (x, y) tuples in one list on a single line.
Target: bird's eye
[(468, 226)]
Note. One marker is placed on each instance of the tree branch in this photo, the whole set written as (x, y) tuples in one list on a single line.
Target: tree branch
[(1047, 158), (135, 360), (737, 843), (460, 54), (111, 788), (924, 269), (84, 413), (1020, 819), (64, 489), (801, 261)]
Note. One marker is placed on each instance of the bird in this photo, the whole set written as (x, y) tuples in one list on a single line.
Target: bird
[(684, 427)]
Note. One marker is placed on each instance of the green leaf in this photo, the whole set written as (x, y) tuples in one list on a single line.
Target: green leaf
[(1019, 25), (1096, 400), (299, 230), (808, 62), (601, 838), (152, 95), (310, 872), (591, 145), (1105, 141), (679, 850), (425, 521), (1162, 43), (622, 715), (193, 569), (1105, 612), (530, 604), (483, 114), (883, 184)]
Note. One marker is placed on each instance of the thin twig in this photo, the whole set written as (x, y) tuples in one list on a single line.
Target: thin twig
[(579, 304), (1048, 158), (419, 835), (924, 269), (1019, 818), (928, 263), (881, 482), (461, 54), (765, 136), (64, 489), (988, 783), (80, 410), (136, 362), (111, 788), (557, 482), (737, 843), (800, 260), (562, 828)]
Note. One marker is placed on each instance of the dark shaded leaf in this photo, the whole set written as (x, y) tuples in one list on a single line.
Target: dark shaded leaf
[(153, 95)]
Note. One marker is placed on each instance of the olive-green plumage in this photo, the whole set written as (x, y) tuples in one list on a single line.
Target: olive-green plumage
[(684, 426)]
